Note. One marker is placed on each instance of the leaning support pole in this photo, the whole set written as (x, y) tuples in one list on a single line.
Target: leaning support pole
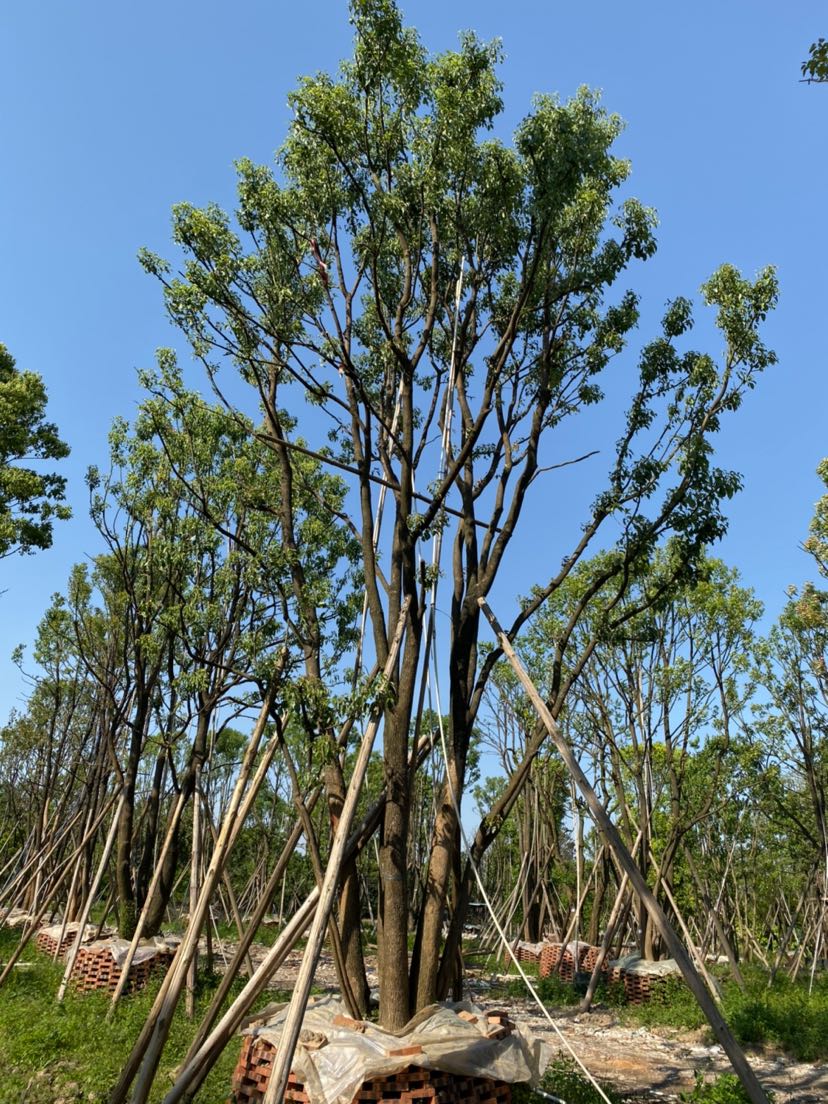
[(298, 1003), (195, 878), (33, 925), (139, 927), (146, 1052), (90, 897), (612, 923), (625, 860), (210, 1043), (189, 1077)]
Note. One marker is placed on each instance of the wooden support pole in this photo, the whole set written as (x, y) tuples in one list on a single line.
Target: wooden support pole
[(244, 945), (204, 1053), (715, 920), (90, 897), (710, 981), (228, 885), (146, 1051), (298, 1003), (614, 917), (29, 931), (195, 878), (139, 927), (613, 838), (193, 1072)]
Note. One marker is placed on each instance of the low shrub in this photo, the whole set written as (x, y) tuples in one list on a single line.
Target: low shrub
[(725, 1089), (564, 1081)]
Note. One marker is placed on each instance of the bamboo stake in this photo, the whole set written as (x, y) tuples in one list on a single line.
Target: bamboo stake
[(710, 981), (190, 1076), (29, 931), (90, 897), (65, 921), (579, 904), (238, 807), (13, 886), (722, 1032), (228, 885), (296, 1010), (139, 927), (244, 946), (614, 917), (195, 875), (207, 1048)]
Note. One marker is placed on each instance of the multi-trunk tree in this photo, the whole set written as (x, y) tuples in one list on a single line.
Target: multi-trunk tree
[(424, 306)]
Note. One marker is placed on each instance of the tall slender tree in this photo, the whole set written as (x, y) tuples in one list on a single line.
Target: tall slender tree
[(424, 305)]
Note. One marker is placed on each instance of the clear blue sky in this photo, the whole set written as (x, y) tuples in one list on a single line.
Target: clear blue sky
[(112, 113)]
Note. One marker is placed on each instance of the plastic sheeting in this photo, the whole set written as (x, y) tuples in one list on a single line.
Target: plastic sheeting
[(16, 918), (635, 964), (334, 1072), (529, 948), (71, 932), (147, 948)]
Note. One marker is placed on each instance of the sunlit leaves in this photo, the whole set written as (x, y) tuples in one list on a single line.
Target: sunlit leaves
[(30, 500)]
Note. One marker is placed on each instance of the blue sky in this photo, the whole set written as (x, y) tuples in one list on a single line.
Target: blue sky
[(113, 113)]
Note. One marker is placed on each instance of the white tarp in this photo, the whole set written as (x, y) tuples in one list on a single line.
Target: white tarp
[(71, 932), (530, 948), (333, 1073), (147, 948), (635, 964)]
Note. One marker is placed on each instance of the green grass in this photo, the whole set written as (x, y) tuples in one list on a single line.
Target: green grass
[(51, 1052), (784, 1015), (564, 1080), (724, 1089)]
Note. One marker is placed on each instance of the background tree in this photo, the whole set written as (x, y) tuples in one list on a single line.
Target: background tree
[(30, 500), (815, 66)]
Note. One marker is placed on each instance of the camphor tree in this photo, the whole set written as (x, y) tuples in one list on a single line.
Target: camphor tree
[(30, 500), (425, 305)]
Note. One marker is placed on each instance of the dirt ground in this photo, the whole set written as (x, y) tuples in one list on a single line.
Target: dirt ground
[(662, 1061), (658, 1063)]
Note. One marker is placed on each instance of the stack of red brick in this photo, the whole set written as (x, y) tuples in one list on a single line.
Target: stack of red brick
[(412, 1085), (96, 969), (554, 953), (638, 987), (46, 939), (523, 952)]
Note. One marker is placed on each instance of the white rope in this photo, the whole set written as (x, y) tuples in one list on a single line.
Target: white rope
[(437, 543), (482, 889)]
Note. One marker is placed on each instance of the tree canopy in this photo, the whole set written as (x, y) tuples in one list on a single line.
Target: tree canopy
[(815, 66), (424, 307), (30, 500)]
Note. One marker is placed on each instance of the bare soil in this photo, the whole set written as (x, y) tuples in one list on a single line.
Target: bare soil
[(661, 1061)]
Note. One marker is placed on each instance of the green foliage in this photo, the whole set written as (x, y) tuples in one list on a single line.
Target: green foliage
[(724, 1089), (815, 66), (785, 1015), (30, 500), (564, 1080), (817, 541), (672, 1004)]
